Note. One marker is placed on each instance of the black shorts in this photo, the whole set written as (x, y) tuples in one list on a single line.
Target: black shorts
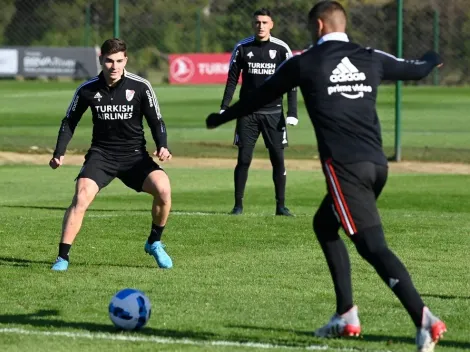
[(271, 126), (132, 170), (353, 190)]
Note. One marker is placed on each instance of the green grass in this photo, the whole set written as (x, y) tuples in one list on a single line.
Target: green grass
[(253, 278), (435, 121)]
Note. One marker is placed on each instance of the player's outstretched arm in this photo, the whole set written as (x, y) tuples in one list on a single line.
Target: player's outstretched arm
[(76, 109), (283, 80), (396, 69)]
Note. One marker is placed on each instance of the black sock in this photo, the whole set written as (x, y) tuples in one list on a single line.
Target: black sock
[(241, 174), (239, 202), (279, 175), (155, 233), (326, 226), (337, 258), (372, 247), (64, 250)]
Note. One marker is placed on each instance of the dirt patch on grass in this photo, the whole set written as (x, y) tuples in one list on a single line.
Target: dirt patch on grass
[(263, 164)]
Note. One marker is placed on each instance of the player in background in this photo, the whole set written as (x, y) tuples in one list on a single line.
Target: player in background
[(256, 58)]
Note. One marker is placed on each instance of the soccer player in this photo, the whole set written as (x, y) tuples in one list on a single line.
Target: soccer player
[(257, 57), (339, 81), (118, 100)]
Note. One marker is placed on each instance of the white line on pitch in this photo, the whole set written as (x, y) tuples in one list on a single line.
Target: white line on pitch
[(171, 341)]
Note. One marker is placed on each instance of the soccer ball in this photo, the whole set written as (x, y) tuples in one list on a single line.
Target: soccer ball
[(129, 309)]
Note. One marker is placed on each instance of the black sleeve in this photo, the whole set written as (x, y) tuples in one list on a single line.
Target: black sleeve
[(76, 109), (291, 94), (151, 111), (284, 79), (234, 70), (395, 69)]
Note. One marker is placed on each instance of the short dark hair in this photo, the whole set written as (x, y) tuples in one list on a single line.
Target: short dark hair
[(262, 12), (324, 9), (113, 46)]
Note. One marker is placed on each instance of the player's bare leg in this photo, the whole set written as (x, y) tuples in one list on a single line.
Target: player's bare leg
[(157, 184), (85, 192)]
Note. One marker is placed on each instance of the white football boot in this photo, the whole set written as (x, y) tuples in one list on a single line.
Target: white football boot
[(431, 330), (346, 324)]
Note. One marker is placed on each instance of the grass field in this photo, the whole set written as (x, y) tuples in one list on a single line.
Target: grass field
[(250, 283), (254, 282), (435, 121)]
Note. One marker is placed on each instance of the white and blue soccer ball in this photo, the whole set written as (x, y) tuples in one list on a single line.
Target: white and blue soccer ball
[(129, 309)]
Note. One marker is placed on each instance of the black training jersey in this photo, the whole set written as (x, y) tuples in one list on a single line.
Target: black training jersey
[(339, 82), (257, 60), (117, 115)]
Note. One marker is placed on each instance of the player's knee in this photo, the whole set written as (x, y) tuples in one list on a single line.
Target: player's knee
[(277, 157), (245, 155), (370, 242), (163, 195), (83, 198)]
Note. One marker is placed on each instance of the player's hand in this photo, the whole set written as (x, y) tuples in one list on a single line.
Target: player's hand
[(163, 154), (54, 163), (291, 120), (212, 121)]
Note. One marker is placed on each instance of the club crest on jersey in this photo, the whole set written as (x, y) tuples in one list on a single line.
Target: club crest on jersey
[(272, 53), (129, 94)]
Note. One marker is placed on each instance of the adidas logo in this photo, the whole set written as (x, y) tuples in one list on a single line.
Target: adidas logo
[(250, 54), (345, 71), (98, 96)]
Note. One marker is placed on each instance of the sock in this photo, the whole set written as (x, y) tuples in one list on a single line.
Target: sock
[(64, 250), (336, 254), (241, 174), (279, 175), (337, 258), (155, 233)]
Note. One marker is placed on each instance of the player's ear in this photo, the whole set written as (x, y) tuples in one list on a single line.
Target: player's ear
[(320, 26), (101, 59), (271, 25)]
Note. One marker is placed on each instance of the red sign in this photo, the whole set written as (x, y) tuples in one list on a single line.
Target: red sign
[(200, 68)]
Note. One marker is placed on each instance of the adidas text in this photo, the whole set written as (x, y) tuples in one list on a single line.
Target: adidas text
[(348, 77)]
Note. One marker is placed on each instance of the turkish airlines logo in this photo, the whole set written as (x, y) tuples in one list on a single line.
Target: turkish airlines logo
[(182, 69)]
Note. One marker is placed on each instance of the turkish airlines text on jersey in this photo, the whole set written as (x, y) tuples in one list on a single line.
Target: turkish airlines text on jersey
[(199, 68)]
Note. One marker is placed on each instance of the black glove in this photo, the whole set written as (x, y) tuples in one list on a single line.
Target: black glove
[(433, 57), (213, 121)]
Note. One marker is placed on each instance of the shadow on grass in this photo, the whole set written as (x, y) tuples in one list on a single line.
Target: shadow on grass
[(5, 261), (51, 319), (446, 297), (389, 340), (45, 207)]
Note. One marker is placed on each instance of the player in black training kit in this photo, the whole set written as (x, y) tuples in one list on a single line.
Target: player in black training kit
[(118, 101), (257, 57), (339, 81)]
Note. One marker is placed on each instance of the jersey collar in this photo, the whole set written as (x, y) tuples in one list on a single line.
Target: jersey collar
[(338, 36), (262, 42)]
